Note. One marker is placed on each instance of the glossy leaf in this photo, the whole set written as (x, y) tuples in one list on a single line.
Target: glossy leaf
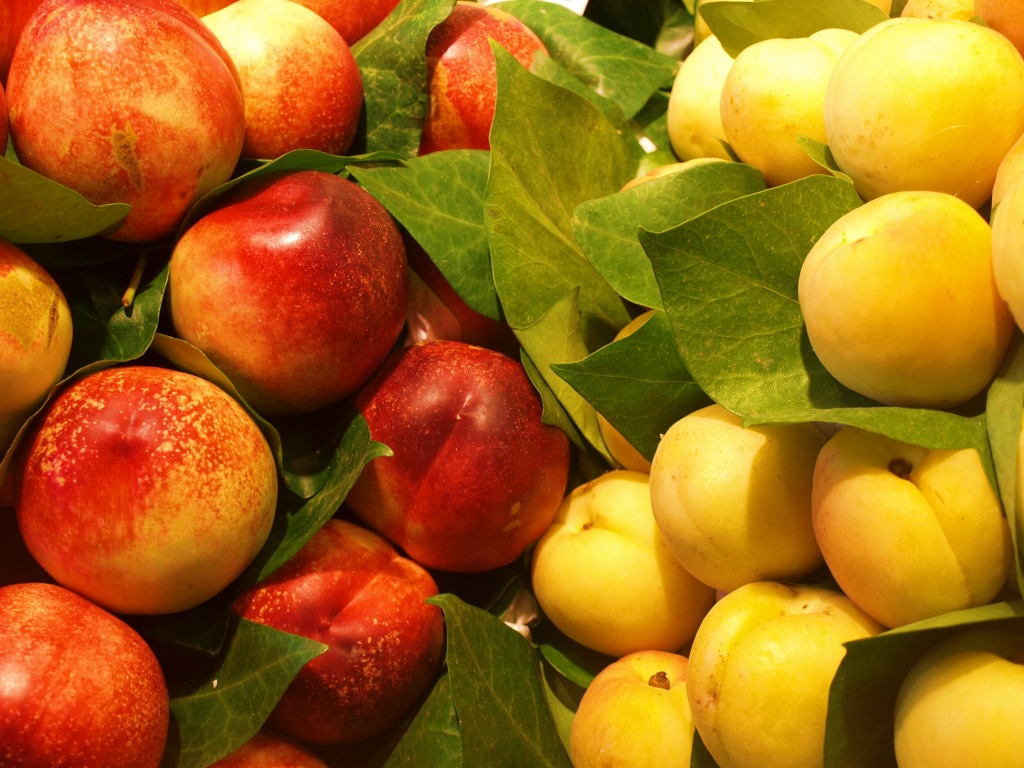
[(728, 279), (35, 209), (643, 20), (550, 151), (439, 199), (1004, 413), (859, 724), (557, 337), (563, 699), (740, 24), (214, 716), (495, 682), (433, 738), (638, 383), (296, 160), (606, 227), (392, 63), (617, 67)]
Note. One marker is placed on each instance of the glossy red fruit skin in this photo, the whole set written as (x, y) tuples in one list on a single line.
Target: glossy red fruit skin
[(354, 19), (349, 588), (78, 686), (462, 74), (296, 287), (475, 476), (126, 101)]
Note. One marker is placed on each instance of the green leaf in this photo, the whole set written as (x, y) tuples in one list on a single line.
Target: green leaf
[(644, 20), (821, 153), (392, 62), (550, 151), (35, 209), (606, 228), (621, 69), (296, 160), (104, 329), (552, 411), (496, 687), (638, 383), (728, 280), (439, 199), (433, 738), (557, 337), (859, 723), (294, 527), (214, 716), (1004, 415), (739, 24), (563, 699)]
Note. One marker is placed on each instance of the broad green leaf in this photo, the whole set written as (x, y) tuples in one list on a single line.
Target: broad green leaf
[(35, 209), (549, 69), (617, 67), (550, 151), (215, 715), (392, 62), (553, 413), (1003, 419), (821, 153), (645, 20), (859, 724), (578, 664), (433, 738), (104, 328), (439, 199), (740, 24), (496, 687), (606, 227), (639, 383), (563, 699), (557, 337), (293, 527), (296, 160), (728, 279)]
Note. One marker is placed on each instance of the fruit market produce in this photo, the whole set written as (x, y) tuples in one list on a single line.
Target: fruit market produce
[(407, 530)]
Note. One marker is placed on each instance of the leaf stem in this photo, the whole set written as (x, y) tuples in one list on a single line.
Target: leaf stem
[(133, 286)]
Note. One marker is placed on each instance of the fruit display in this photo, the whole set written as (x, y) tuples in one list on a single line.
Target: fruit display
[(442, 383)]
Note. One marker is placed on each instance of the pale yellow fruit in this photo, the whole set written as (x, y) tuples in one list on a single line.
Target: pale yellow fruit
[(1008, 248), (669, 168), (621, 450), (701, 29), (1010, 169), (961, 10), (936, 126), (734, 502), (962, 703), (635, 713), (603, 575), (773, 94), (694, 119), (900, 301), (1005, 17), (908, 533), (35, 338), (760, 669)]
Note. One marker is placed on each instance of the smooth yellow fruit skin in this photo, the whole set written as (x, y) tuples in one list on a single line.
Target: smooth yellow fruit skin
[(773, 94), (733, 503), (760, 668), (900, 301), (1008, 249), (1010, 169), (35, 338), (701, 29), (908, 533), (694, 118), (604, 576), (936, 126), (962, 703), (635, 713), (960, 10)]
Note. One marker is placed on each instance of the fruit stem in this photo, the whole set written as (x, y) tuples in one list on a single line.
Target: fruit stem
[(133, 285), (660, 680)]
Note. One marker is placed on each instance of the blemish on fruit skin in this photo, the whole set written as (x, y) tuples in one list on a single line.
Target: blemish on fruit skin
[(122, 145)]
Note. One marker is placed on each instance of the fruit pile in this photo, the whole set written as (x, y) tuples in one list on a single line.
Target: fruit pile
[(435, 383)]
